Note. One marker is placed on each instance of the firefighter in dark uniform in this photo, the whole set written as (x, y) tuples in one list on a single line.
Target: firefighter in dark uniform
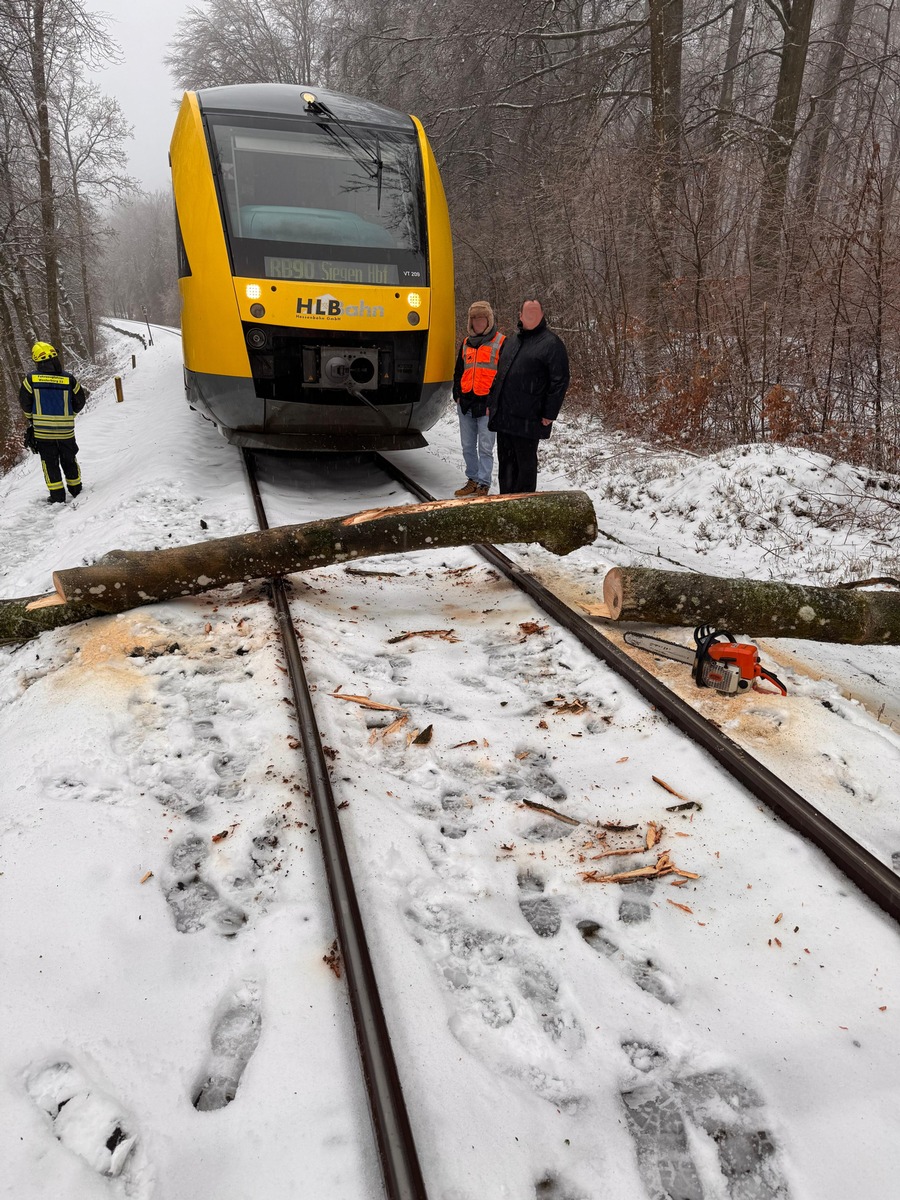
[(50, 399)]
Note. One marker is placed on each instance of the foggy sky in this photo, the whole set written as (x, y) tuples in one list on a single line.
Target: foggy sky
[(141, 84)]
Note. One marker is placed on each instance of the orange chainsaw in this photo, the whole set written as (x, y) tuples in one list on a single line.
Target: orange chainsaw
[(717, 661)]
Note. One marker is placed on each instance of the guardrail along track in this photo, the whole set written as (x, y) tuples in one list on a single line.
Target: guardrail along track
[(872, 877), (397, 1151)]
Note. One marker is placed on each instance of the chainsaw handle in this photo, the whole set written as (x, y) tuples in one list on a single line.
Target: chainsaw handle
[(769, 677)]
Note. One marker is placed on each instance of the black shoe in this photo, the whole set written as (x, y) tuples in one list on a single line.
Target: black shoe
[(75, 491), (56, 498)]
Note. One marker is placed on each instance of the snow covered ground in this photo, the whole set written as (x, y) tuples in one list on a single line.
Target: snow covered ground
[(164, 924)]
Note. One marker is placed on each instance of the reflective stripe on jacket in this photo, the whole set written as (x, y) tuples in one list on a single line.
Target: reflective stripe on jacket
[(480, 365), (55, 399)]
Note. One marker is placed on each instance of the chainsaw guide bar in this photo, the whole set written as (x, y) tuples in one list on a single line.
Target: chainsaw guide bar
[(717, 661)]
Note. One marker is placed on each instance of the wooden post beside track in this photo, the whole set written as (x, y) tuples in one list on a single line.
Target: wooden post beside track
[(119, 393), (133, 361)]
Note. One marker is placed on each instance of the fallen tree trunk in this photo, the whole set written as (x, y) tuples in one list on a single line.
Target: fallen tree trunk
[(18, 623), (760, 608), (122, 579)]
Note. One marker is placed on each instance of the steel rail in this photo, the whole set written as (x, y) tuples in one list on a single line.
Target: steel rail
[(397, 1150), (871, 876)]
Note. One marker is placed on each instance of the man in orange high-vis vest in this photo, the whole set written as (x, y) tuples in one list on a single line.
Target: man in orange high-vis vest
[(473, 379)]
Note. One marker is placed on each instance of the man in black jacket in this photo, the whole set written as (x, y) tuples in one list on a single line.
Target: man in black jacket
[(527, 396)]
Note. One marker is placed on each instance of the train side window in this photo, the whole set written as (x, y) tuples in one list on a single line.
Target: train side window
[(184, 267)]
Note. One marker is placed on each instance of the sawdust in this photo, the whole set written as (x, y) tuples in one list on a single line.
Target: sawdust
[(105, 645)]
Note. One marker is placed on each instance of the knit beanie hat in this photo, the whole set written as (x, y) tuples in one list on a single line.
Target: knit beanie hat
[(480, 308)]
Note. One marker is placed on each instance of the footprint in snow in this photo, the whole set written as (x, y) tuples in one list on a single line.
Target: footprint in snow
[(635, 907), (234, 1037), (179, 758), (540, 911), (84, 1118), (194, 901), (529, 775), (668, 1112), (644, 972), (506, 1006), (454, 804), (552, 1187)]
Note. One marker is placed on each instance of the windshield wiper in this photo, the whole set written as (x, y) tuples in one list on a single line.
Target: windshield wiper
[(372, 157)]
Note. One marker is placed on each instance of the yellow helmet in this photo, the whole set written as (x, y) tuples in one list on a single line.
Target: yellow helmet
[(41, 351)]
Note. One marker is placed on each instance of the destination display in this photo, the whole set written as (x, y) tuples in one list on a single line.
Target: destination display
[(323, 270)]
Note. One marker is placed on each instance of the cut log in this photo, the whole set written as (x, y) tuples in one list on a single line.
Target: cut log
[(122, 579), (19, 621), (760, 608)]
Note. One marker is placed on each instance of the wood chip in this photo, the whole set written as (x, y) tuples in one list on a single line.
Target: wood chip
[(614, 853), (531, 627), (622, 877), (689, 804), (653, 835), (575, 706), (617, 828), (388, 730), (662, 783), (395, 725), (376, 574), (446, 635), (550, 812), (146, 876), (423, 738), (684, 907), (778, 918), (333, 959), (366, 702), (464, 745)]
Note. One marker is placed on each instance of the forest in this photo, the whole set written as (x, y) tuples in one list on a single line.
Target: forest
[(703, 194)]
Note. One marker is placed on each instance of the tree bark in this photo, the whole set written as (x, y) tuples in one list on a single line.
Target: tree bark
[(814, 160), (665, 22), (19, 624), (796, 22), (50, 246), (560, 521), (752, 606)]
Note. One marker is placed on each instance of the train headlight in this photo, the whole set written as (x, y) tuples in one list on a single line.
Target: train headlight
[(254, 291), (413, 299)]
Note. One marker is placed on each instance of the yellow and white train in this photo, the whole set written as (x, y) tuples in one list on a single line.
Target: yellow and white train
[(316, 269)]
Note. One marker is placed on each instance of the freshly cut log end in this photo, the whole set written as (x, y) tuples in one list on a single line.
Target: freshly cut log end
[(614, 593), (760, 608)]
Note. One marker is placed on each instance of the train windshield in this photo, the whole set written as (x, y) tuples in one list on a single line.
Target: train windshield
[(333, 203)]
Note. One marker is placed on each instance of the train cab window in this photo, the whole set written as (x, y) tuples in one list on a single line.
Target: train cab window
[(301, 199)]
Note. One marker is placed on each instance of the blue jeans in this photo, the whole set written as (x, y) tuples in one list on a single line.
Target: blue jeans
[(477, 447)]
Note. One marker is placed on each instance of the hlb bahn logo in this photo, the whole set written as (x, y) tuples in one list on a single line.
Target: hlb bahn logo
[(330, 306)]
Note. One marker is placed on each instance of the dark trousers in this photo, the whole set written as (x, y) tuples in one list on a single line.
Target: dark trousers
[(58, 459), (517, 463)]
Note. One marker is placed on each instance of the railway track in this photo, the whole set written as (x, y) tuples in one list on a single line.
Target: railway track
[(399, 1158), (872, 877)]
